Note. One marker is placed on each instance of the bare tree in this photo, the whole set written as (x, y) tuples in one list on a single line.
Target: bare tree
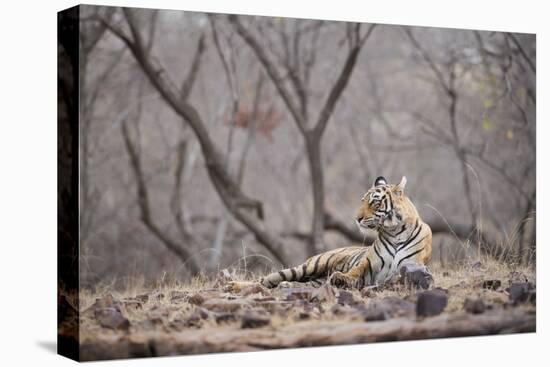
[(232, 196), (298, 66)]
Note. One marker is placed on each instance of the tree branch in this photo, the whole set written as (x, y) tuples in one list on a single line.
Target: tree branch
[(143, 204), (271, 70), (341, 82), (231, 195), (429, 60), (193, 71)]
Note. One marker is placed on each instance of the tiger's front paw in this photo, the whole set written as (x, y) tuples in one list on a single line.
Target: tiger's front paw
[(341, 280)]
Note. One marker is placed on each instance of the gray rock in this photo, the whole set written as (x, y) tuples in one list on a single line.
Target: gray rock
[(416, 276), (474, 305), (431, 303), (521, 293), (112, 318), (345, 297), (196, 299), (387, 308), (375, 314), (253, 320)]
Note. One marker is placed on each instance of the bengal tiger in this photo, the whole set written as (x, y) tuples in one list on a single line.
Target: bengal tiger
[(402, 238)]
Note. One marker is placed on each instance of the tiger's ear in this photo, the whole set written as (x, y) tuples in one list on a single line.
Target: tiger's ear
[(380, 180), (400, 188)]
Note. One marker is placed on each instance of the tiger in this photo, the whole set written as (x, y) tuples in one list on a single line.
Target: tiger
[(402, 239)]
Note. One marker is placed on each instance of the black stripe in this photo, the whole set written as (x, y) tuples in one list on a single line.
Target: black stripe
[(416, 228), (370, 272), (316, 264), (293, 274), (391, 202), (361, 258), (409, 255), (352, 260), (416, 243), (402, 230), (382, 239), (304, 268), (271, 285), (328, 260), (412, 238), (282, 275), (380, 257)]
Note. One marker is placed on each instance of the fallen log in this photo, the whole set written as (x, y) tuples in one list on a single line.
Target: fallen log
[(306, 334)]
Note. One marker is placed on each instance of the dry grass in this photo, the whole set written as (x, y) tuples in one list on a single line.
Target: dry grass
[(175, 312)]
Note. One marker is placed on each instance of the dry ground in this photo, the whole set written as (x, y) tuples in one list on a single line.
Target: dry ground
[(202, 317)]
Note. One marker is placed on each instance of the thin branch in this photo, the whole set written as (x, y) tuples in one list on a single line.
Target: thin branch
[(429, 60), (522, 52), (143, 204), (271, 70), (231, 195), (340, 84), (193, 71)]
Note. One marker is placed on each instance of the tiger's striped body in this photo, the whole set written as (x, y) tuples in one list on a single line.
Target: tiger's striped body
[(402, 238)]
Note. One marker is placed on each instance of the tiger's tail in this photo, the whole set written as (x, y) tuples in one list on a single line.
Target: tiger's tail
[(313, 268)]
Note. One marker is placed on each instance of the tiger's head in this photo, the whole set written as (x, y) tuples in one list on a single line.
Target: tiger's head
[(385, 206)]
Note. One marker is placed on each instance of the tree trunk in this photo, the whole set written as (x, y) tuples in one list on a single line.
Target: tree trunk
[(313, 147)]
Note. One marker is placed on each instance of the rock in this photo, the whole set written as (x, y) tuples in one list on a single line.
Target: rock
[(338, 309), (196, 299), (224, 277), (112, 318), (107, 301), (223, 305), (375, 314), (225, 317), (138, 347), (474, 305), (275, 306), (345, 297), (193, 321), (295, 294), (177, 296), (203, 313), (369, 292), (254, 320), (521, 293), (264, 299), (387, 308), (324, 293), (431, 303), (492, 284), (177, 325), (416, 276)]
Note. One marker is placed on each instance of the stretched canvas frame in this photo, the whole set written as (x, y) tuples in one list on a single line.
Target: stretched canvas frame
[(492, 292)]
